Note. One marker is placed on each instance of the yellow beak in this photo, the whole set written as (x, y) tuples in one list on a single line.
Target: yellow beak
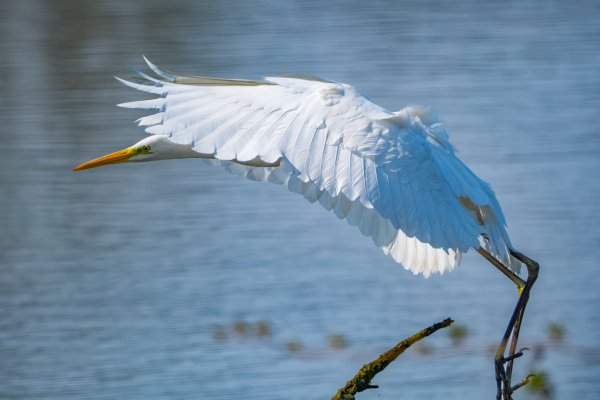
[(113, 158)]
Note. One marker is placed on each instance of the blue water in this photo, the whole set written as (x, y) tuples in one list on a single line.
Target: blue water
[(135, 281)]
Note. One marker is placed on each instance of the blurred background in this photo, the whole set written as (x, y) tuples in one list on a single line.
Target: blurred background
[(176, 280)]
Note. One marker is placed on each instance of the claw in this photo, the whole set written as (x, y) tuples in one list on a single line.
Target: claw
[(522, 383), (516, 355)]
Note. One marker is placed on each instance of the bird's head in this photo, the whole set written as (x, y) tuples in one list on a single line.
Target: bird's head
[(152, 148)]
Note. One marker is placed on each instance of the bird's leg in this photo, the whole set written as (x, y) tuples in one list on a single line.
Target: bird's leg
[(513, 348), (511, 275), (503, 376), (533, 269)]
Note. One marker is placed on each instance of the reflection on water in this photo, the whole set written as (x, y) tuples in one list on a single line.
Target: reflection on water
[(114, 281)]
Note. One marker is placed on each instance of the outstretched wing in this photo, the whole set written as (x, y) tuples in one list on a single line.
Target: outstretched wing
[(393, 175)]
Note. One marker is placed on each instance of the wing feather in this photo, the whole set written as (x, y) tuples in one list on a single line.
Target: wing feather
[(314, 161), (241, 136), (392, 175)]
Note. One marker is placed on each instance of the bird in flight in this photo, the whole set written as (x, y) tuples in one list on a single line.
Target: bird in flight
[(393, 175)]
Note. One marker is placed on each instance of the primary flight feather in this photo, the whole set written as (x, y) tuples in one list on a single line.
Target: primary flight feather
[(394, 175)]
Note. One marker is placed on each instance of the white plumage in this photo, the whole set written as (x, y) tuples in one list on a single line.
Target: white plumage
[(394, 175)]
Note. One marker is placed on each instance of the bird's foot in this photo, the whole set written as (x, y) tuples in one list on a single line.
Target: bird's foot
[(503, 379)]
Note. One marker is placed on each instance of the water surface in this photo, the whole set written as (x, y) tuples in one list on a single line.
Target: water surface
[(130, 281)]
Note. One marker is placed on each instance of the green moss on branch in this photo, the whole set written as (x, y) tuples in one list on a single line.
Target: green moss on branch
[(362, 380)]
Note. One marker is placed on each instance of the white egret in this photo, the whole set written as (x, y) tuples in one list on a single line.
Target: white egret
[(394, 175)]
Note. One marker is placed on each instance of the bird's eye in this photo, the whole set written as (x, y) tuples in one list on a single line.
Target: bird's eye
[(146, 148)]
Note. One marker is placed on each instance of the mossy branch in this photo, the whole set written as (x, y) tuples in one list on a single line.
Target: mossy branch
[(362, 380)]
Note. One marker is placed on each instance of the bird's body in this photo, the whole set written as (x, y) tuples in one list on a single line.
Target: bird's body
[(394, 175)]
